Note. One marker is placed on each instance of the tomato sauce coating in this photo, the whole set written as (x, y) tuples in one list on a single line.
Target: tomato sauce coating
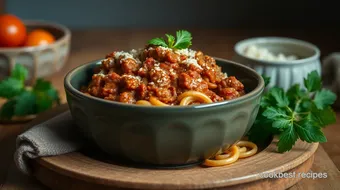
[(162, 73)]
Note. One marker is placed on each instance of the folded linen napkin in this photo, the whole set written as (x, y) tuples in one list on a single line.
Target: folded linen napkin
[(53, 137)]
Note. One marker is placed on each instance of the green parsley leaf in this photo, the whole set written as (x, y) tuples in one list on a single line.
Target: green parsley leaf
[(10, 87), (274, 113), (158, 42), (46, 95), (183, 39), (324, 98), (171, 40), (25, 104), (280, 97), (54, 95), (281, 123), (309, 132), (287, 139), (19, 72), (294, 114), (22, 102), (295, 92), (42, 85), (7, 109), (313, 81), (323, 117), (43, 103), (266, 80)]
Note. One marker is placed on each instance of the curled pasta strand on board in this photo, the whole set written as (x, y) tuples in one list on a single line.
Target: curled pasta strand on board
[(246, 144), (241, 149), (233, 158)]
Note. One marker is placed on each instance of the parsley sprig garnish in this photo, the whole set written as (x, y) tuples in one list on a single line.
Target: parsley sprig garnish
[(182, 40), (23, 101), (296, 114)]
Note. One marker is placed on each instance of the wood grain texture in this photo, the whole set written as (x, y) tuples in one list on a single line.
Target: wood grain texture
[(112, 176), (17, 181), (332, 146), (59, 181)]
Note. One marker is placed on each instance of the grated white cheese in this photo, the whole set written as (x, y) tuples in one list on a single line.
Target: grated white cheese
[(165, 48), (225, 75), (192, 61), (187, 52), (122, 54), (132, 77), (134, 53), (125, 55), (172, 71), (264, 54)]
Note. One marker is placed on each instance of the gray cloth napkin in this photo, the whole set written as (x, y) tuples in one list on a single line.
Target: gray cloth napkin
[(53, 137)]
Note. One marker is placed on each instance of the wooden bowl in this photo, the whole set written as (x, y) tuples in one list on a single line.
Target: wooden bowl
[(41, 61)]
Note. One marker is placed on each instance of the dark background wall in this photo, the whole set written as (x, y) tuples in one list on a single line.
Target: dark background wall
[(179, 13)]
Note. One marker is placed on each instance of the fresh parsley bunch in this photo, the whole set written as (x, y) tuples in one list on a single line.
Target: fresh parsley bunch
[(295, 114), (23, 101), (182, 40)]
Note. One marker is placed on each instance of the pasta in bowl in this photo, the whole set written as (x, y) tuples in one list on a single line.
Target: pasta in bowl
[(160, 76), (164, 106)]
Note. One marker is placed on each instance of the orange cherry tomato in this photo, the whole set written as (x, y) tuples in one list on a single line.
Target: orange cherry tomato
[(39, 37), (12, 31)]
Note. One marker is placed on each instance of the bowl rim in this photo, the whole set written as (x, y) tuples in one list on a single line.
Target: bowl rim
[(66, 36), (255, 92), (282, 40)]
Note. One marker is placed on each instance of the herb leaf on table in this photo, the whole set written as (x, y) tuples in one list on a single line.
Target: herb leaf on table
[(22, 100), (294, 114)]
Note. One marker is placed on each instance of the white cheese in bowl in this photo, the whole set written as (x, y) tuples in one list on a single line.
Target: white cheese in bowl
[(264, 54)]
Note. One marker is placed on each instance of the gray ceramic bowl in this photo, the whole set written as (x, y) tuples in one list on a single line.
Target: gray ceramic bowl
[(40, 61), (164, 135), (283, 74)]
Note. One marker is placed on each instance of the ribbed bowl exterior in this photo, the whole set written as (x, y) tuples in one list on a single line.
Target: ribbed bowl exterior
[(164, 136), (283, 74)]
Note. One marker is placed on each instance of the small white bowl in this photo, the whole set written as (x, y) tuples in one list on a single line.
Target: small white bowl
[(283, 74)]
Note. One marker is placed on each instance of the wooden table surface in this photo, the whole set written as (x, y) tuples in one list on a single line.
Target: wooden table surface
[(95, 44)]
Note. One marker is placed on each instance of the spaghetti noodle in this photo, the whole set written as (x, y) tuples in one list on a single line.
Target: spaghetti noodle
[(185, 99), (231, 155)]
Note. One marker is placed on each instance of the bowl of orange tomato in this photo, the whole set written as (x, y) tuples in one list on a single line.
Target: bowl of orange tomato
[(42, 47)]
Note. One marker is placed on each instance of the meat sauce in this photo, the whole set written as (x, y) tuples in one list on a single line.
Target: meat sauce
[(162, 73)]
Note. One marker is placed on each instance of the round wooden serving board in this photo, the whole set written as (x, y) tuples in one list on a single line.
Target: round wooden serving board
[(79, 171)]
